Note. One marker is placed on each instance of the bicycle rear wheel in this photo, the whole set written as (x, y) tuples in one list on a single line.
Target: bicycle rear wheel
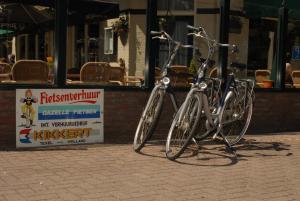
[(183, 126), (149, 119), (236, 117)]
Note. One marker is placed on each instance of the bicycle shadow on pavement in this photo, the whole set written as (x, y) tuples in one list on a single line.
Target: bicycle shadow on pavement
[(154, 148), (215, 153)]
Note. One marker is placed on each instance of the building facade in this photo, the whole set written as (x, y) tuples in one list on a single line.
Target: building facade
[(67, 36)]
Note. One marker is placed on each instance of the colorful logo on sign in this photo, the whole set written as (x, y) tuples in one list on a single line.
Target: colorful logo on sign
[(24, 135)]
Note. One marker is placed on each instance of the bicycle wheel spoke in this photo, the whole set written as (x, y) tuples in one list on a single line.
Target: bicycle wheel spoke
[(183, 127), (149, 120), (236, 118)]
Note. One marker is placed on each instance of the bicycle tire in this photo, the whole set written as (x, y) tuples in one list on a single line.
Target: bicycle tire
[(236, 118), (183, 126), (149, 119)]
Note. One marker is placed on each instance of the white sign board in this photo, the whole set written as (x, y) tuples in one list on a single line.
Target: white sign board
[(47, 117)]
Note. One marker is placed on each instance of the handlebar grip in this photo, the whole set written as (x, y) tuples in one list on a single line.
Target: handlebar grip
[(155, 33), (191, 28), (194, 28)]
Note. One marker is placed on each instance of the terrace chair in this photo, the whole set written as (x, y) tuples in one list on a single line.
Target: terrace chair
[(296, 78), (5, 71), (73, 74), (30, 71), (95, 72), (262, 75), (180, 76), (213, 73), (157, 73), (117, 73)]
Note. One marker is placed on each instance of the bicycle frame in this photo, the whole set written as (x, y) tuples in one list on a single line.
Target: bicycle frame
[(150, 117), (164, 83)]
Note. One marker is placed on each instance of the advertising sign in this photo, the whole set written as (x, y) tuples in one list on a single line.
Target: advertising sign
[(47, 117)]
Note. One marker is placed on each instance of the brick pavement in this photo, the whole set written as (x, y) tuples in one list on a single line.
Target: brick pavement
[(266, 168)]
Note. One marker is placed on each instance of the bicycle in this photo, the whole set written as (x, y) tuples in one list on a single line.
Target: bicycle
[(231, 107), (152, 111)]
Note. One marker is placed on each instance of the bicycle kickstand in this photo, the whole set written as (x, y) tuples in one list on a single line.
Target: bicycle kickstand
[(231, 148)]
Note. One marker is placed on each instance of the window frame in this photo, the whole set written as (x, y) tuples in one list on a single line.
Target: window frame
[(108, 42), (60, 52)]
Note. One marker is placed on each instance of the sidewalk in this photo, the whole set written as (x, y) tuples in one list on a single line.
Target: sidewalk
[(267, 168)]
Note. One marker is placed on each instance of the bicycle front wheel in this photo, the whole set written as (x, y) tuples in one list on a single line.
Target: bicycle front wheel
[(183, 126), (236, 117), (149, 119)]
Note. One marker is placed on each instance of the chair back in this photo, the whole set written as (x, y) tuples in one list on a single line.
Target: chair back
[(95, 72), (157, 73), (117, 72), (213, 73), (5, 68), (180, 76), (261, 75), (30, 71), (296, 77)]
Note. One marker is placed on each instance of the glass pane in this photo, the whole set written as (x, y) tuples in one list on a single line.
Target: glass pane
[(207, 17), (172, 20), (175, 4), (104, 46), (292, 73), (24, 41), (253, 28)]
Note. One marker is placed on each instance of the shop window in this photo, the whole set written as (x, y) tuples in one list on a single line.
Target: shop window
[(175, 4), (176, 28), (23, 33), (292, 56), (254, 30), (99, 50)]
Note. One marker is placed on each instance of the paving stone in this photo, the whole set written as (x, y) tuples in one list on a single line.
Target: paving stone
[(266, 168)]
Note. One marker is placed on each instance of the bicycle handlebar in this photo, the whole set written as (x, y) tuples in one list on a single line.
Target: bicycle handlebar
[(156, 33), (194, 28), (165, 36), (162, 35), (200, 32)]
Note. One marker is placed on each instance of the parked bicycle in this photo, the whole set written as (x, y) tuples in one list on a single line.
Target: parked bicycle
[(152, 111), (234, 108)]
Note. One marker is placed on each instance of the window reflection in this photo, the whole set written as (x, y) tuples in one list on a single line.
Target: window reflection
[(254, 30), (102, 46), (24, 28), (292, 62)]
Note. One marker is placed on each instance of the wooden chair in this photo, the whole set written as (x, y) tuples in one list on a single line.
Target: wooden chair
[(117, 73), (296, 78), (157, 73), (95, 72), (180, 76), (5, 71), (30, 71), (73, 74), (262, 75), (213, 73)]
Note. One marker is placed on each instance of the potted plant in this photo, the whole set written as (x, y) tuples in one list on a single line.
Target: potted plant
[(121, 25), (167, 23)]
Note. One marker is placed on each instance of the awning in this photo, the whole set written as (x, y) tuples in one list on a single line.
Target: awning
[(269, 8)]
